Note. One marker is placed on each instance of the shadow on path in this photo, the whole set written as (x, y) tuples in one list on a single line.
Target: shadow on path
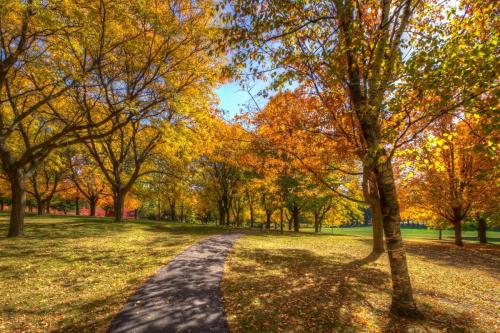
[(183, 296)]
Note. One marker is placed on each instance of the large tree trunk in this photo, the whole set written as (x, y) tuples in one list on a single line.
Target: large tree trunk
[(481, 229), (221, 213), (402, 297), (316, 222), (268, 218), (457, 225), (370, 192), (378, 228), (39, 206), (92, 204), (16, 226), (173, 217), (252, 221), (118, 205), (159, 210), (296, 220), (281, 219), (77, 206)]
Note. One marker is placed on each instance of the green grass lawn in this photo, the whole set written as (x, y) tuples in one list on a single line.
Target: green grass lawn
[(413, 233), (72, 274), (330, 283)]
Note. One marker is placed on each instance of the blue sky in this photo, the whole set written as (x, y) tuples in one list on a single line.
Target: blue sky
[(233, 98)]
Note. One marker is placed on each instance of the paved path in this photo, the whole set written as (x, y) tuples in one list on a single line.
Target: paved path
[(183, 296)]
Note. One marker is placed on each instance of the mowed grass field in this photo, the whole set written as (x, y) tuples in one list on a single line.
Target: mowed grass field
[(331, 283), (72, 274)]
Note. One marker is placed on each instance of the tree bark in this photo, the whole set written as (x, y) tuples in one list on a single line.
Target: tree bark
[(118, 205), (39, 206), (2, 203), (370, 192), (440, 234), (173, 217), (316, 222), (47, 206), (402, 298), (16, 226), (221, 213), (92, 204), (378, 228), (281, 219), (268, 218), (77, 206), (457, 226), (481, 229), (296, 221), (251, 216)]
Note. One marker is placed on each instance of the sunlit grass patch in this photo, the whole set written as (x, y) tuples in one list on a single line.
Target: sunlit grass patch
[(74, 274), (324, 283)]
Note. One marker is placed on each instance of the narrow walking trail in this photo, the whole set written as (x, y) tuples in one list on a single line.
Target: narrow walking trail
[(184, 295)]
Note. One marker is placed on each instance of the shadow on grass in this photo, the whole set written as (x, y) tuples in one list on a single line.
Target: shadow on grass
[(475, 256), (296, 290), (57, 227)]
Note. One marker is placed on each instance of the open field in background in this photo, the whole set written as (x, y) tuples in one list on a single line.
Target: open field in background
[(325, 283), (412, 233), (73, 274)]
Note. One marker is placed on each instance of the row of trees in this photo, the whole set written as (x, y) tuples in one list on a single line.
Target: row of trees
[(108, 77), (247, 178)]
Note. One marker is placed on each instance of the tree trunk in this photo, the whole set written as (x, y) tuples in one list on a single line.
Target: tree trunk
[(296, 221), (290, 221), (16, 226), (221, 213), (457, 225), (481, 229), (377, 227), (77, 206), (371, 194), (402, 298), (47, 206), (92, 204), (440, 234), (39, 206), (182, 212), (268, 218), (159, 210), (173, 217), (251, 217), (227, 216), (316, 222), (2, 203), (281, 219), (118, 205)]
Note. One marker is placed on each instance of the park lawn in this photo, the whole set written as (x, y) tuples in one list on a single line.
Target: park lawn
[(412, 233), (330, 283), (72, 274)]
